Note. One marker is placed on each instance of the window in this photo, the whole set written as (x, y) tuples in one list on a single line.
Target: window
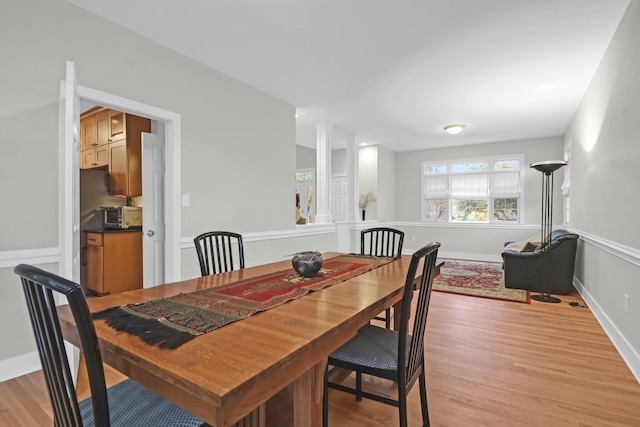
[(485, 190)]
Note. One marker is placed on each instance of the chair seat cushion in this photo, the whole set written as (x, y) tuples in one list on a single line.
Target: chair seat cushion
[(373, 347), (131, 404)]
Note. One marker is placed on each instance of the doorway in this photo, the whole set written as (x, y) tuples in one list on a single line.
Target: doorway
[(169, 124), (305, 199)]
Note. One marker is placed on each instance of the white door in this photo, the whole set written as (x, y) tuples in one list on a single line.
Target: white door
[(339, 195), (153, 221), (69, 191), (69, 230)]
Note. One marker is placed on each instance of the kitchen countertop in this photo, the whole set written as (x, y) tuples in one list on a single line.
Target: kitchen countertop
[(112, 230)]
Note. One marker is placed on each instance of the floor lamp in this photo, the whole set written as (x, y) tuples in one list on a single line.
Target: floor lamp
[(547, 168)]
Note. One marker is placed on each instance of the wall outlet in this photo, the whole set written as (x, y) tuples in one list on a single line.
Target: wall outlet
[(626, 302), (185, 201), (413, 238)]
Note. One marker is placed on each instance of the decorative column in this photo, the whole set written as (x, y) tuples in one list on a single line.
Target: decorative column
[(323, 173), (353, 168)]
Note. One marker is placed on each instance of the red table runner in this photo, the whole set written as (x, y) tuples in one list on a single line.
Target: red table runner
[(172, 321)]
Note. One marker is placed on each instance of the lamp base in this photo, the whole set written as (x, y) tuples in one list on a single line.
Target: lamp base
[(545, 298)]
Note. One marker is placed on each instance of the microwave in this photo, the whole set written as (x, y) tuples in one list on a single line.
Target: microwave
[(122, 217)]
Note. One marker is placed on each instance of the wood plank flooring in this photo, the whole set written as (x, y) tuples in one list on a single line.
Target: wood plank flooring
[(489, 363)]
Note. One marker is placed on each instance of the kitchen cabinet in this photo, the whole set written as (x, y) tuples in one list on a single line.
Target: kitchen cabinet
[(87, 133), (94, 157), (125, 154), (113, 261), (102, 127), (112, 140)]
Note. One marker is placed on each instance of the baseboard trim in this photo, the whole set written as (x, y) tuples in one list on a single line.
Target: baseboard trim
[(19, 365), (626, 351)]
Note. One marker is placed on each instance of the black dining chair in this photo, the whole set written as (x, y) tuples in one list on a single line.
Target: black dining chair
[(219, 251), (125, 404), (382, 242), (394, 355)]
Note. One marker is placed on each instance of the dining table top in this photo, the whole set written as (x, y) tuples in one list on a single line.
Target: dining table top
[(225, 374)]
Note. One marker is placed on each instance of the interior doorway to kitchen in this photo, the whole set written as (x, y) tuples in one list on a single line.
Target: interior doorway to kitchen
[(169, 123)]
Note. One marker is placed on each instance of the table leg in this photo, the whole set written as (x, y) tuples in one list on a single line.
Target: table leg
[(307, 397)]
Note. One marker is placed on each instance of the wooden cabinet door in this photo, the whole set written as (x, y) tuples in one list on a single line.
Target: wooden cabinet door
[(122, 261), (117, 126), (102, 155), (118, 169), (102, 127), (94, 260), (87, 133), (87, 158)]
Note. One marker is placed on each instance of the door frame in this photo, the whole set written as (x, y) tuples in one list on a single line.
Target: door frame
[(172, 146)]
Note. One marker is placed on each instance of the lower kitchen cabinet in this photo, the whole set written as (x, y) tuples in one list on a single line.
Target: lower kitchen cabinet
[(113, 261)]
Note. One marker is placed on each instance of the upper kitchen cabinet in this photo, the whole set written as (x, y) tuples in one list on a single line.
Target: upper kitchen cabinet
[(112, 140), (87, 132), (125, 156)]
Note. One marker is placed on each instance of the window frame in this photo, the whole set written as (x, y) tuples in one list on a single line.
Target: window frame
[(489, 197)]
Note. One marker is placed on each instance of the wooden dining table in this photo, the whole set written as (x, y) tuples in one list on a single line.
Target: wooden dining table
[(227, 376)]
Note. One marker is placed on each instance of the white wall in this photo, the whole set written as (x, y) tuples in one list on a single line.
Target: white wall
[(604, 195), (305, 158), (386, 205)]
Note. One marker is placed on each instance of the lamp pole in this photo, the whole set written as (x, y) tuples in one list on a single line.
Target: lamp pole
[(547, 168)]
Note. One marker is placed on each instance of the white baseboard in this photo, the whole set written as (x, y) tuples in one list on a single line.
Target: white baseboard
[(20, 365), (627, 352)]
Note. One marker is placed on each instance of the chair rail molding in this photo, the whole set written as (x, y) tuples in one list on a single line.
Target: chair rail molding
[(9, 259), (626, 253), (299, 231)]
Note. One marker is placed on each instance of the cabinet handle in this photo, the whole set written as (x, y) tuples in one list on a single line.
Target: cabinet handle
[(84, 255), (94, 144)]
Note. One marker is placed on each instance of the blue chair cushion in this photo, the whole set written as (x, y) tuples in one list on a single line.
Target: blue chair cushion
[(131, 404), (372, 347)]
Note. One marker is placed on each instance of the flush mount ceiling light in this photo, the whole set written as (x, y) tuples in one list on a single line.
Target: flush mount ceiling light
[(454, 129)]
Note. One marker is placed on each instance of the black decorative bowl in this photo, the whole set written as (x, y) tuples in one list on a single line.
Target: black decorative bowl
[(307, 264)]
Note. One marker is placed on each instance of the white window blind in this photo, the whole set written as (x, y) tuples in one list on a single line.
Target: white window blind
[(467, 186), (436, 187), (506, 184)]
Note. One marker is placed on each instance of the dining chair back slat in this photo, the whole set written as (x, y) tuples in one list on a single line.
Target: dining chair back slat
[(118, 404), (394, 355), (382, 242), (219, 252)]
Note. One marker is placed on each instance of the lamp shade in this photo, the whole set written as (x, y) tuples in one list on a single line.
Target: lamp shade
[(548, 166)]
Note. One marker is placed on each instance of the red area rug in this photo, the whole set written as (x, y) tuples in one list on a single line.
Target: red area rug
[(478, 279)]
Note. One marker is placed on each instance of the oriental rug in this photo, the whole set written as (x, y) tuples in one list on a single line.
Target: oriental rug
[(479, 279), (172, 321)]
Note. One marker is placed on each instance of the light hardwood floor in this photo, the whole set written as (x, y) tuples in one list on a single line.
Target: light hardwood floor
[(489, 363)]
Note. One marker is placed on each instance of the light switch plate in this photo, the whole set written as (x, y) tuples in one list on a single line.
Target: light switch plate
[(185, 200)]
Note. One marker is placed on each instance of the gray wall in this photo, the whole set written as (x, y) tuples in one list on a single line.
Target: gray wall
[(605, 155), (386, 205), (305, 158), (238, 144)]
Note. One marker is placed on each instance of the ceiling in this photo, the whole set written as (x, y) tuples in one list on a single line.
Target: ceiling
[(394, 73)]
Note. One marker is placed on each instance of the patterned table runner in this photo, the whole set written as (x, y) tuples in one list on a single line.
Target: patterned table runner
[(172, 321)]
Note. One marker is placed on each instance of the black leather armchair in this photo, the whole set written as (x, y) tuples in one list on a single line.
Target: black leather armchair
[(523, 270)]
